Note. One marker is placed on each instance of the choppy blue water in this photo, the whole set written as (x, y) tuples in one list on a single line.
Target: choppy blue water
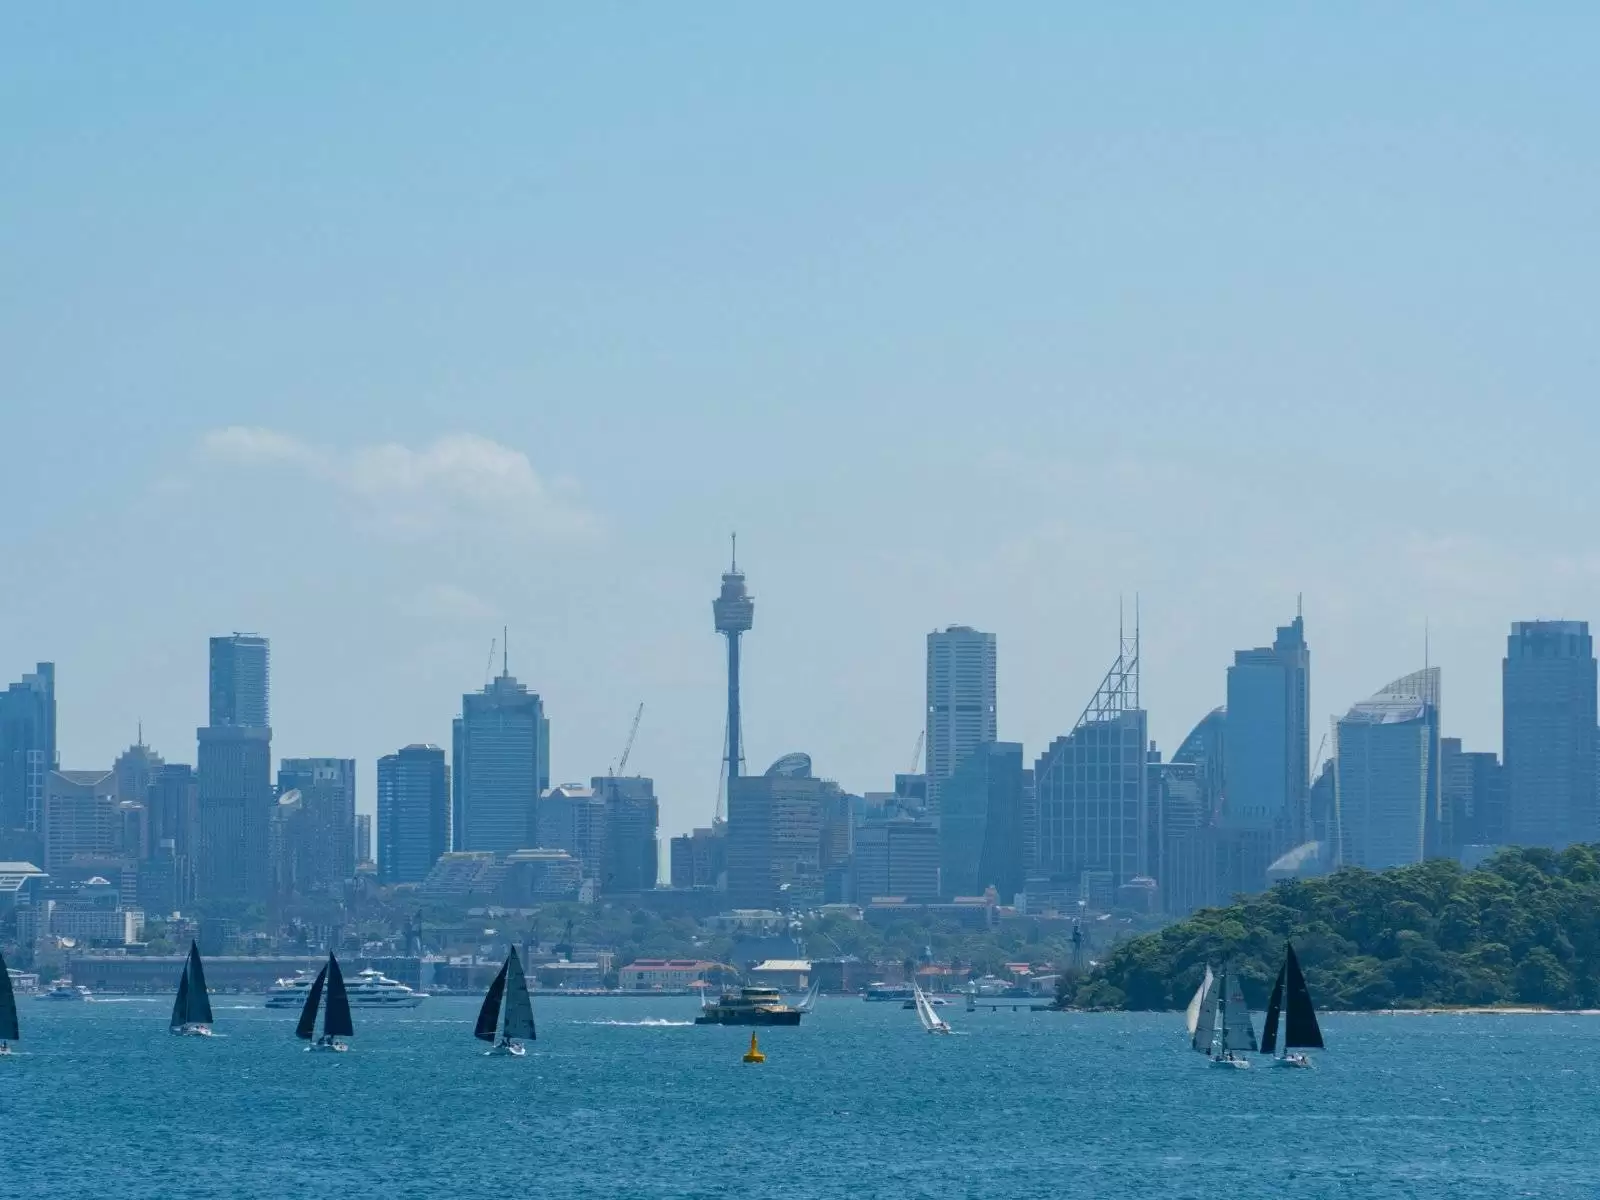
[(624, 1098)]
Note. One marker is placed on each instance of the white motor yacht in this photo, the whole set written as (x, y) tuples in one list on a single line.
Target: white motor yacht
[(369, 989), (63, 989)]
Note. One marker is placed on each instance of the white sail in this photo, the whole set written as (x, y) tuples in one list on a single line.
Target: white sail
[(1241, 1035), (810, 1000), (930, 1019), (1203, 1014)]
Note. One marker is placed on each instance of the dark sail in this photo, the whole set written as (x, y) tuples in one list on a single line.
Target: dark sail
[(198, 1011), (519, 1007), (1300, 1026), (8, 1006), (180, 1006), (1269, 1031), (308, 1015), (489, 1015), (336, 1021)]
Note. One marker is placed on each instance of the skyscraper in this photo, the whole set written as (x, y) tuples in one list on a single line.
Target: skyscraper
[(1548, 725), (363, 838), (1268, 731), (27, 747), (897, 858), (235, 768), (734, 613), (1093, 788), (632, 815), (327, 788), (1473, 797), (572, 817), (501, 767), (980, 823), (961, 701), (413, 813), (1386, 774), (775, 826)]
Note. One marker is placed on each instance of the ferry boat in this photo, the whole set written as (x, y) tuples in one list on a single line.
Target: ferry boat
[(63, 989), (369, 989), (749, 1006), (888, 991)]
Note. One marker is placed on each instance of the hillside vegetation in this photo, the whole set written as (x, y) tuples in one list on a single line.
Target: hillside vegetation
[(1524, 929)]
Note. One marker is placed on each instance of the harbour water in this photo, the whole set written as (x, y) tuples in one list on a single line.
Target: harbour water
[(624, 1098)]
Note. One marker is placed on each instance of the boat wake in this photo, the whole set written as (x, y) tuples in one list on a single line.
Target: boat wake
[(647, 1023), (125, 999)]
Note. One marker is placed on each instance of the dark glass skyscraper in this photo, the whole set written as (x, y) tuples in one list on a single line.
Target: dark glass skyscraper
[(239, 687), (502, 766), (1268, 731), (413, 813), (235, 769), (980, 823), (1548, 727), (27, 747), (327, 788), (1387, 775)]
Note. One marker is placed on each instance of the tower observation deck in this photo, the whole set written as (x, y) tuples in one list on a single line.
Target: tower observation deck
[(734, 611)]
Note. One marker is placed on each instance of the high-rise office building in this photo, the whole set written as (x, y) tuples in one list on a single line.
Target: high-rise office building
[(27, 747), (327, 788), (1548, 725), (1268, 731), (501, 766), (1093, 789), (239, 681), (898, 858), (961, 701), (572, 817), (980, 822), (632, 816), (700, 858), (173, 803), (413, 813), (1473, 797), (363, 838), (774, 838), (235, 770), (81, 818), (136, 769), (1387, 776)]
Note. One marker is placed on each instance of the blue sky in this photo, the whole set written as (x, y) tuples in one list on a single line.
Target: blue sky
[(376, 327)]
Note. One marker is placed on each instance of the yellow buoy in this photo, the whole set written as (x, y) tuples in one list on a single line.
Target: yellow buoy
[(754, 1053)]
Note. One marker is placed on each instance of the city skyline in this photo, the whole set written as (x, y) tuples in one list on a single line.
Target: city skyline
[(255, 647)]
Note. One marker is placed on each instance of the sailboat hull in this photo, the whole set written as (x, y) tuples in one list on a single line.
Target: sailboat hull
[(191, 1031), (5, 1051), (507, 1050), (1232, 1064), (1297, 1061), (327, 1048)]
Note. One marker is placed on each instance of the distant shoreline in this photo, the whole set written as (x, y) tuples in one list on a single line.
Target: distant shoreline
[(1513, 1010)]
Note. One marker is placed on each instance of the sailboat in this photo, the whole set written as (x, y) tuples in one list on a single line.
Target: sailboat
[(1219, 1020), (8, 1010), (809, 1001), (336, 1014), (1300, 1028), (511, 985), (191, 1011), (931, 1021)]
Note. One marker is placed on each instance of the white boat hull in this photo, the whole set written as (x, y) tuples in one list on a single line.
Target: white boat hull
[(507, 1049), (1297, 1061), (191, 1031), (327, 1048), (1237, 1064), (5, 1050)]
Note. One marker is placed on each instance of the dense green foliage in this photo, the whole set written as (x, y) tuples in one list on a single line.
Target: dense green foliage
[(1524, 929)]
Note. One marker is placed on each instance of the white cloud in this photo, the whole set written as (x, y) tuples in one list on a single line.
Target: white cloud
[(459, 481), (446, 601)]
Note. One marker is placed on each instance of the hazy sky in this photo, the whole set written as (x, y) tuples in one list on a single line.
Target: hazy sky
[(373, 327)]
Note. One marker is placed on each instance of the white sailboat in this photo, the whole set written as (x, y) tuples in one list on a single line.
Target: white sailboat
[(931, 1021), (809, 1001), (1219, 1021)]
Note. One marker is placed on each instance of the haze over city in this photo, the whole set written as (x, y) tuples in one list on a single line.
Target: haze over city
[(319, 331)]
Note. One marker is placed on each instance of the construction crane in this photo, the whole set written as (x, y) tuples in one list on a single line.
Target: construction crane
[(632, 733), (916, 755), (488, 667), (564, 946)]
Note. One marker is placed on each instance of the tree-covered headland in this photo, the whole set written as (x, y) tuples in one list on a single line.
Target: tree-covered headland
[(1523, 929)]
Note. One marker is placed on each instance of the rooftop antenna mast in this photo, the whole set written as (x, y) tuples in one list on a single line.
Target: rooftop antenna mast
[(505, 651)]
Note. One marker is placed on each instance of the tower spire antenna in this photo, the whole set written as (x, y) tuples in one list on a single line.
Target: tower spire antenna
[(505, 650), (733, 565)]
